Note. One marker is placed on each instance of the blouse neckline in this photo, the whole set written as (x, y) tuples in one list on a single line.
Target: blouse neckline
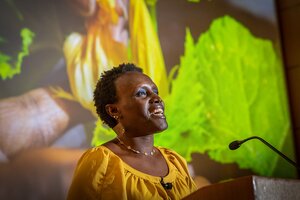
[(170, 177)]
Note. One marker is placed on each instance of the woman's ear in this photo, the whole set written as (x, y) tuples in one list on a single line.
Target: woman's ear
[(112, 110)]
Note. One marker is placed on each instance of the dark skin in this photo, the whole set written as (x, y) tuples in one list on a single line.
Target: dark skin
[(137, 100)]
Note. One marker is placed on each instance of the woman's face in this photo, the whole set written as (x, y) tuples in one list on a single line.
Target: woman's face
[(140, 108)]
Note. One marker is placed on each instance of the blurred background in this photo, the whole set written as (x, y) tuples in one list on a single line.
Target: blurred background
[(226, 69)]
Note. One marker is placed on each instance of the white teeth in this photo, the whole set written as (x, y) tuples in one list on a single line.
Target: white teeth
[(157, 111)]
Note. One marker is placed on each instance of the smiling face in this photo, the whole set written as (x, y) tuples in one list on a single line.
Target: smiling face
[(139, 107)]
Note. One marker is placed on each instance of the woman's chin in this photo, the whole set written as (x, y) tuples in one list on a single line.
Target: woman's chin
[(162, 126)]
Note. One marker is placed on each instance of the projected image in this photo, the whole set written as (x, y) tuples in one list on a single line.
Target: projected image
[(217, 65)]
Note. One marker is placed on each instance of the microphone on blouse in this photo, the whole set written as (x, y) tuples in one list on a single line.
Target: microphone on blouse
[(167, 186), (236, 144)]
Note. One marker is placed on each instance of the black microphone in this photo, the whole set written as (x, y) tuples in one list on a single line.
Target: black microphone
[(167, 186), (236, 144)]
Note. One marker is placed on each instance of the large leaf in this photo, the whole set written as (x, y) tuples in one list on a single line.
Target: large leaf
[(9, 66), (229, 86)]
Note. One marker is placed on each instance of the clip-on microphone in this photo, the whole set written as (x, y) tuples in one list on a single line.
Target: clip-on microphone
[(167, 186)]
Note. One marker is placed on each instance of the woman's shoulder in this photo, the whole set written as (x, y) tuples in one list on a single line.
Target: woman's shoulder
[(173, 157), (93, 166), (170, 153), (98, 151), (96, 156)]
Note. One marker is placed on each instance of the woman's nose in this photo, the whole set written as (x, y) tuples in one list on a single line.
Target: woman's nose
[(155, 99)]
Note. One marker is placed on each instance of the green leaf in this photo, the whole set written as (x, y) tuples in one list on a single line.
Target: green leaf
[(102, 133), (229, 86), (7, 69), (194, 1)]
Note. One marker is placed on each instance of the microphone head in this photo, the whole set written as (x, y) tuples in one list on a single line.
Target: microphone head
[(234, 145)]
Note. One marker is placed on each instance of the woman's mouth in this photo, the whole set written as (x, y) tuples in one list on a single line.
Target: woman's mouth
[(158, 112)]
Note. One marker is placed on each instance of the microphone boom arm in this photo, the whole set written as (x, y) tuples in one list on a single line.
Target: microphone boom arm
[(236, 144)]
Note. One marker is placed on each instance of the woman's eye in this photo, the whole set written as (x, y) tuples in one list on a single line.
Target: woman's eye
[(155, 91), (141, 92)]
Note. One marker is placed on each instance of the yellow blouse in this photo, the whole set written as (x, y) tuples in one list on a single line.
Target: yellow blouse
[(101, 174)]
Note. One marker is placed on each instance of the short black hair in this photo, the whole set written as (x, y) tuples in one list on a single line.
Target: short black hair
[(105, 91)]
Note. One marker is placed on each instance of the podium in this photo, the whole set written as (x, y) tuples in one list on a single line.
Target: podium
[(249, 188)]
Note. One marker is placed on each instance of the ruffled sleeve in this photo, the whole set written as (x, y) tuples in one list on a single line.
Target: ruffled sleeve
[(85, 185)]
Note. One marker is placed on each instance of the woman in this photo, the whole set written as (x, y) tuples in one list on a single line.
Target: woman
[(129, 166)]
